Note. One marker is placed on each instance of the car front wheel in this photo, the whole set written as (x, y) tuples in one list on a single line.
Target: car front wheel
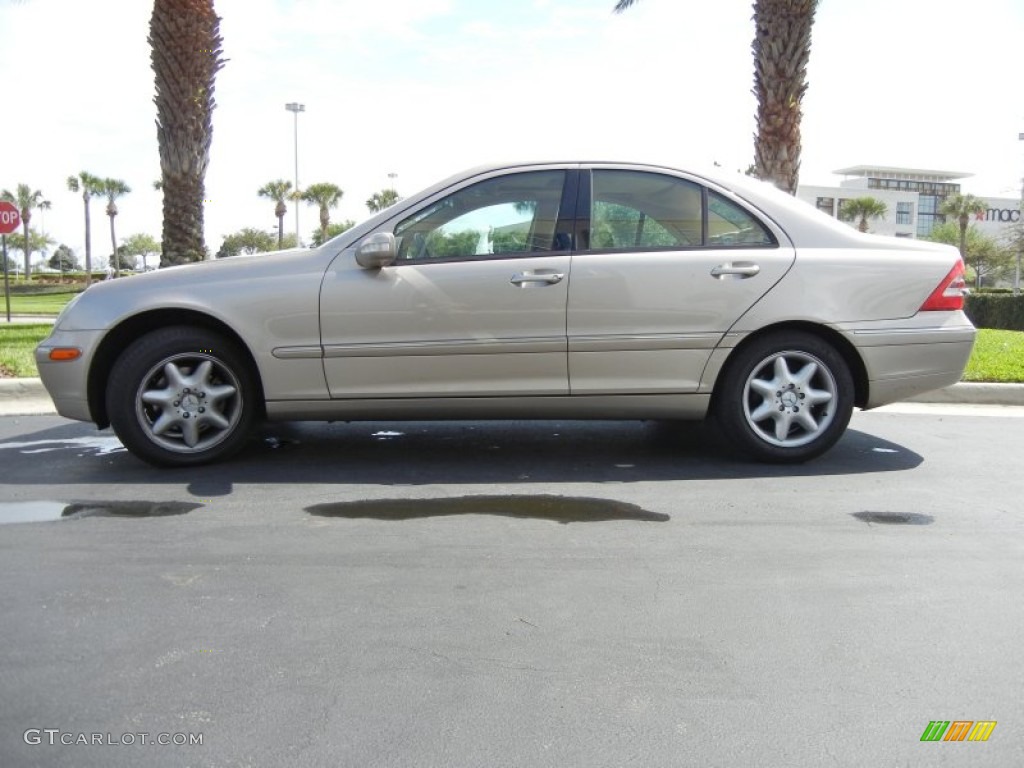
[(181, 396), (786, 398)]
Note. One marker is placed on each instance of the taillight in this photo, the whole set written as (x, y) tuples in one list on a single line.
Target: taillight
[(949, 294)]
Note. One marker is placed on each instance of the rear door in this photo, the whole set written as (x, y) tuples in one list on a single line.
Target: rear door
[(664, 267)]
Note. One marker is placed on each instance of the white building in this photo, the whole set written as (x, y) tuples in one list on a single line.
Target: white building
[(912, 197)]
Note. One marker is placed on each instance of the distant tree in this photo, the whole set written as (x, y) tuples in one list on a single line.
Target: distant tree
[(278, 191), (185, 41), (90, 186), (36, 242), (25, 199), (962, 208), (63, 259), (381, 200), (325, 196), (114, 189), (124, 260), (862, 209), (141, 245), (251, 240), (333, 230), (986, 257)]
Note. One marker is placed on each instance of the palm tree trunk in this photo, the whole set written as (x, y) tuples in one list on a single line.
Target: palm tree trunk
[(325, 222), (113, 244), (183, 220), (186, 55), (88, 241), (280, 233), (782, 48), (25, 216)]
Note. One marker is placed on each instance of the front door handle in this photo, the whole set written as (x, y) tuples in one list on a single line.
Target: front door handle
[(547, 278), (739, 269)]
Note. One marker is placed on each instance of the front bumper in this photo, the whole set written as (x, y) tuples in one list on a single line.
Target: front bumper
[(67, 381)]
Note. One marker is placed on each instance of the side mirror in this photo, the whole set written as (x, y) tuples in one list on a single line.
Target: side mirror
[(376, 251)]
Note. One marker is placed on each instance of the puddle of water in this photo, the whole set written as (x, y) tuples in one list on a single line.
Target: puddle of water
[(560, 509), (101, 444), (894, 518), (275, 443), (47, 511)]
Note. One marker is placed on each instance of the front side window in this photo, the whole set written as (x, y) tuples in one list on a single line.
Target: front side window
[(517, 214)]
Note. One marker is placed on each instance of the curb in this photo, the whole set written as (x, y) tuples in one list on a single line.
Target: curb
[(22, 397), (974, 393)]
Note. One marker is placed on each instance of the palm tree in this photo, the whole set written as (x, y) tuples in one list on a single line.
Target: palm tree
[(25, 199), (113, 189), (88, 185), (381, 200), (186, 55), (961, 208), (278, 191), (326, 196), (782, 48), (862, 208)]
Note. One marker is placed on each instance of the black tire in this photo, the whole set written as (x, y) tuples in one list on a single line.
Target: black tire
[(785, 398), (196, 382)]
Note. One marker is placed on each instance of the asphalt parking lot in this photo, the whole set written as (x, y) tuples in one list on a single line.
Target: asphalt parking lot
[(597, 594)]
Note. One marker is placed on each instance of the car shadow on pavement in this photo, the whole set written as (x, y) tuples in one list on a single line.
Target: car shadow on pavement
[(421, 453)]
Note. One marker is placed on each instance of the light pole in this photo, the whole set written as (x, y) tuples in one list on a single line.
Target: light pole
[(295, 108), (391, 177)]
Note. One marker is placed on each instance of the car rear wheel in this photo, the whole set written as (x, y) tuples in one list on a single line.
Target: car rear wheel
[(181, 396), (786, 398)]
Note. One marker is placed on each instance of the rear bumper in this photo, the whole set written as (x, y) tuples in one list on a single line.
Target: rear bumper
[(927, 352)]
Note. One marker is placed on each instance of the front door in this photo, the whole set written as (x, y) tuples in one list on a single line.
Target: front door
[(474, 305)]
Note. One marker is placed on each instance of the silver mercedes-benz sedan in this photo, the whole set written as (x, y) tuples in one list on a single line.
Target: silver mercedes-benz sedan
[(527, 291)]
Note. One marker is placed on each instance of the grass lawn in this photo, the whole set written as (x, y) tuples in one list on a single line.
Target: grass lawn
[(17, 341), (37, 304), (998, 355)]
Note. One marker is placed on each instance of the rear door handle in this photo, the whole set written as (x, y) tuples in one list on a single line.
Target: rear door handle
[(739, 269), (548, 278)]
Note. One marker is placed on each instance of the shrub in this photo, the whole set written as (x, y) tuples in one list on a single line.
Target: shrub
[(996, 310)]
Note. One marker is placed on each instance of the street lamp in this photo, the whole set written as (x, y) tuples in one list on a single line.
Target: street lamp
[(295, 108)]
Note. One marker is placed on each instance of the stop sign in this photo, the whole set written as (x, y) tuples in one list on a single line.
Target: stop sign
[(10, 219)]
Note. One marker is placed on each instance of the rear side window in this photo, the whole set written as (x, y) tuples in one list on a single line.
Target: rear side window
[(633, 210), (730, 225)]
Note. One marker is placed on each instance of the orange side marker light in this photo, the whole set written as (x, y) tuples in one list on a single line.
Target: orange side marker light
[(61, 354)]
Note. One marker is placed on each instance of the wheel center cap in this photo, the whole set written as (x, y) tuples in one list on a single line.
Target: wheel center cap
[(189, 403), (790, 399)]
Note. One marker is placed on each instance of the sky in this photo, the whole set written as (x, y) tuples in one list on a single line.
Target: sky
[(425, 88)]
